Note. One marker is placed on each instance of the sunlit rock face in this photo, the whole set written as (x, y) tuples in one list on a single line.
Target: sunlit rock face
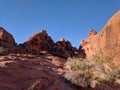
[(106, 42), (87, 45), (7, 42)]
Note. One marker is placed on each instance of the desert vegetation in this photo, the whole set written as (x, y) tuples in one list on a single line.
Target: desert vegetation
[(92, 72), (43, 52), (1, 50)]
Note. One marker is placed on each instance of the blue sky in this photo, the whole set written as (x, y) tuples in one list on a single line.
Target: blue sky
[(71, 19)]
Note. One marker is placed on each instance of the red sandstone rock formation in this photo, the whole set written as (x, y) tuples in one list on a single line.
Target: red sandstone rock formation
[(37, 43), (7, 42), (106, 42), (42, 42), (64, 49)]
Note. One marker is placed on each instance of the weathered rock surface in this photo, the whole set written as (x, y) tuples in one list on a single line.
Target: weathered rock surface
[(37, 43), (7, 41), (28, 72), (42, 42), (64, 49), (106, 42)]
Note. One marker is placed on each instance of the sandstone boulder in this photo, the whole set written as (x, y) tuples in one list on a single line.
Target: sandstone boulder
[(106, 42), (7, 42)]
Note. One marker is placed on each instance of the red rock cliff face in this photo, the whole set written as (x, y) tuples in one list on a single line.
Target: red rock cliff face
[(106, 42), (7, 41)]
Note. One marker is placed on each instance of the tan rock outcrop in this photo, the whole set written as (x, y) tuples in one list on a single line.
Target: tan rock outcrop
[(7, 42), (106, 42)]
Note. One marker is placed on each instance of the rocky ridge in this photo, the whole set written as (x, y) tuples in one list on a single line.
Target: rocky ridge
[(7, 41), (38, 43)]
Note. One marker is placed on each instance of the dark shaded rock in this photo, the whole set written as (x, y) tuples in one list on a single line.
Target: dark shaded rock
[(63, 48), (37, 43), (7, 42)]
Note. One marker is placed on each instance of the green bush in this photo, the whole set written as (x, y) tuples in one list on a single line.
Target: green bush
[(90, 72), (1, 50)]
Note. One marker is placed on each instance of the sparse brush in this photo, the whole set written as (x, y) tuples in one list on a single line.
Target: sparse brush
[(43, 52), (34, 85), (1, 50), (90, 72), (31, 56)]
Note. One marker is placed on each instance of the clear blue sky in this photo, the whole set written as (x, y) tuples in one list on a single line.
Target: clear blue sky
[(71, 19)]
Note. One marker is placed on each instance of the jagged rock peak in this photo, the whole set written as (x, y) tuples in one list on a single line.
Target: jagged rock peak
[(3, 31), (7, 41), (64, 48), (92, 32), (62, 40), (4, 34), (43, 31), (38, 42)]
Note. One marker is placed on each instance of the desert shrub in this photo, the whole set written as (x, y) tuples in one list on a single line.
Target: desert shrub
[(34, 86), (117, 78), (90, 72), (1, 50), (31, 56), (43, 52)]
